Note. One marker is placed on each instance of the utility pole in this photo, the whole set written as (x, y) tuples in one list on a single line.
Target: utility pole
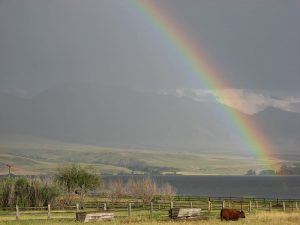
[(9, 167)]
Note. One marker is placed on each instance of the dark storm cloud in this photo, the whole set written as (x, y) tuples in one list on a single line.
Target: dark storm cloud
[(255, 44)]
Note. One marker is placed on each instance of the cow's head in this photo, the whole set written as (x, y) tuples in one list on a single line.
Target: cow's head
[(242, 214)]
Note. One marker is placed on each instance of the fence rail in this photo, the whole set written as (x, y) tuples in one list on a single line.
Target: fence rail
[(157, 209)]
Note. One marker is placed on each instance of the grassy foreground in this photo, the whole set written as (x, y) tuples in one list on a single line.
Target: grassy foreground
[(261, 218)]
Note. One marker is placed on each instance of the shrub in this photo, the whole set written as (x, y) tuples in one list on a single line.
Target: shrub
[(7, 192), (25, 192), (22, 191), (48, 193)]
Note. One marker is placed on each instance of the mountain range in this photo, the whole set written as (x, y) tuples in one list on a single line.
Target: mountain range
[(118, 117)]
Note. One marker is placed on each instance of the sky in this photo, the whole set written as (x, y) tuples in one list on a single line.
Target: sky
[(255, 45)]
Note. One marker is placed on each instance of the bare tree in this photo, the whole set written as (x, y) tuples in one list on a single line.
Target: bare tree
[(167, 192), (116, 191), (144, 189)]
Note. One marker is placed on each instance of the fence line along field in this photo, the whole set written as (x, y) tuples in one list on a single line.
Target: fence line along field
[(135, 210), (77, 191)]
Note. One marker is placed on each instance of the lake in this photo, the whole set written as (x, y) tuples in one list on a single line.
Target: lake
[(282, 187)]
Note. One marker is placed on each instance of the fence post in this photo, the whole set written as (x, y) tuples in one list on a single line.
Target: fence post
[(17, 212), (283, 206), (104, 206), (250, 206), (270, 206), (129, 209), (223, 204), (296, 206), (256, 204), (209, 206), (49, 211), (171, 205), (77, 207), (191, 204), (241, 205), (151, 209)]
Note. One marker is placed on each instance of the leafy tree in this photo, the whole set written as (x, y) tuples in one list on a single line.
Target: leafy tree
[(78, 179)]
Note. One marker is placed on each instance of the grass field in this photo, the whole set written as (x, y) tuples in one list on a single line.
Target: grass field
[(29, 155), (260, 218)]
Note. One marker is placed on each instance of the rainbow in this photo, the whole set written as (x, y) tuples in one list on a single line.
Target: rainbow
[(250, 133)]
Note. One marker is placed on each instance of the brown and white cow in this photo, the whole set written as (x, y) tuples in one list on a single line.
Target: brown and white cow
[(231, 214)]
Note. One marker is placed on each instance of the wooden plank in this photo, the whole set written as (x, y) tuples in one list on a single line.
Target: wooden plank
[(184, 213), (89, 217), (98, 217)]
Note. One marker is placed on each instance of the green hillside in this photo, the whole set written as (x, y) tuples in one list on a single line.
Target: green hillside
[(29, 155)]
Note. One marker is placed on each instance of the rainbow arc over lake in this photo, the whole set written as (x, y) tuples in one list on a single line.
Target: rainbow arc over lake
[(249, 132)]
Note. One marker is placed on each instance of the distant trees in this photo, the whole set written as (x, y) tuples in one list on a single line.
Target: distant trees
[(267, 172), (293, 169), (78, 179), (289, 170), (251, 172)]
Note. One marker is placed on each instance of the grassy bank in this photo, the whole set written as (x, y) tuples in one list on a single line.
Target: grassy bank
[(260, 218)]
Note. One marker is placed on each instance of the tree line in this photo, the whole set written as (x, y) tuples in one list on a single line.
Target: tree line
[(72, 183), (293, 169)]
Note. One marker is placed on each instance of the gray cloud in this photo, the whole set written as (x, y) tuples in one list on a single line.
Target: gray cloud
[(253, 44), (246, 101)]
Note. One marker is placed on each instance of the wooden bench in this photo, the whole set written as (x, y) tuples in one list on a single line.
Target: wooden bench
[(87, 217), (184, 213)]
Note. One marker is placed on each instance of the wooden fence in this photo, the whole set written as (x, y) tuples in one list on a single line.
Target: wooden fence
[(158, 209)]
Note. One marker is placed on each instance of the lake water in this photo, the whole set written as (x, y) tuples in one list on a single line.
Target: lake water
[(282, 187)]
